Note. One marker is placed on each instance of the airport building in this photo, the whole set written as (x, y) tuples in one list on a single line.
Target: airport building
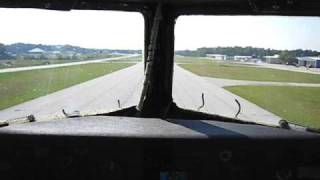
[(312, 62), (242, 58), (275, 59), (217, 56), (35, 53)]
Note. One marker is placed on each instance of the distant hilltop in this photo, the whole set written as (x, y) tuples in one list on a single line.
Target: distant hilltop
[(22, 49)]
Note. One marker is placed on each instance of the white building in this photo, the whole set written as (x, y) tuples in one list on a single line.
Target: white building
[(312, 62), (217, 56), (36, 51), (242, 58), (53, 54), (275, 59)]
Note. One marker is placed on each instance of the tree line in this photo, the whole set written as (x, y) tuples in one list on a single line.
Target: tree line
[(23, 48), (3, 51), (247, 51)]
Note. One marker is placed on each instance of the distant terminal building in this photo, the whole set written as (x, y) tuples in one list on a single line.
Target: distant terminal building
[(242, 58), (53, 54), (255, 60), (36, 53), (217, 56), (312, 62), (275, 59)]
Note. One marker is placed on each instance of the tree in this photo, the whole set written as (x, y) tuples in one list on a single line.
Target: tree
[(2, 51), (288, 57)]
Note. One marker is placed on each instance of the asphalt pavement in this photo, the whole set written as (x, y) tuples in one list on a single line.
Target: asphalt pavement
[(122, 89)]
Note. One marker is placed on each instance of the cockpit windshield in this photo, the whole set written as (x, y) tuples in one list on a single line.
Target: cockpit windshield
[(257, 68), (68, 63), (54, 63)]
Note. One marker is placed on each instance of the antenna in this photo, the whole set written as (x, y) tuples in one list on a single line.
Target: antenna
[(119, 104), (202, 105), (239, 108), (71, 115)]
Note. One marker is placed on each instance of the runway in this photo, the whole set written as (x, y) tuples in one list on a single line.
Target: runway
[(102, 95)]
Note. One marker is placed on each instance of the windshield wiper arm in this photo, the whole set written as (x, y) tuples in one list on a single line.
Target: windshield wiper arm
[(20, 120), (288, 125), (71, 115)]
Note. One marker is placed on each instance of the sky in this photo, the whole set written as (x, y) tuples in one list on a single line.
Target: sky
[(89, 29), (124, 30), (275, 32)]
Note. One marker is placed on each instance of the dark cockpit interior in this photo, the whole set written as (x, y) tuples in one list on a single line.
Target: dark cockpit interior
[(157, 139)]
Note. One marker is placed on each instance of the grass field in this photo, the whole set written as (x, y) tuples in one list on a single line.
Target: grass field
[(24, 63), (299, 105), (192, 60), (134, 59), (18, 87), (219, 69), (29, 62)]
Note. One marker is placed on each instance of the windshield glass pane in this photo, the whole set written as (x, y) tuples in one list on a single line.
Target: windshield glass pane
[(82, 62), (255, 68)]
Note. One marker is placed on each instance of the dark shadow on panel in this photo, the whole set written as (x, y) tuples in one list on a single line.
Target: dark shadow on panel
[(209, 130)]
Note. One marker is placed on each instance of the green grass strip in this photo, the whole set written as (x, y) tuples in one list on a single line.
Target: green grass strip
[(219, 69), (299, 105), (19, 87)]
